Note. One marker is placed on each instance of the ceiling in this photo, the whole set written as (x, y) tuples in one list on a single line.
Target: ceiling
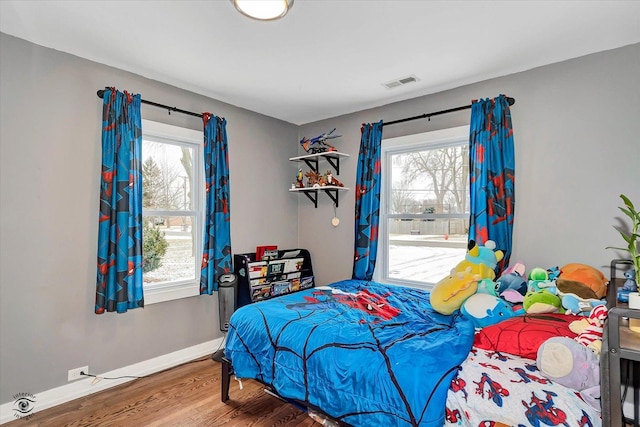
[(325, 58)]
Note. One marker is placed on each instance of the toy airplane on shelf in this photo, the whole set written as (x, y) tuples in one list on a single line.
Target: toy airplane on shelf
[(319, 144)]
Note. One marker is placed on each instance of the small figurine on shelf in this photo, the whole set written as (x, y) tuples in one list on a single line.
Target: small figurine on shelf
[(628, 287), (313, 179), (329, 179), (319, 143), (299, 183)]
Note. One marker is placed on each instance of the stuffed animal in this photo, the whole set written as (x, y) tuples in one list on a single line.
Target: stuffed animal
[(449, 293), (575, 362), (481, 259), (573, 304), (539, 280), (567, 362), (512, 296), (582, 280), (547, 285), (512, 281), (590, 328), (553, 272), (538, 273), (518, 267), (485, 310), (487, 286), (542, 302)]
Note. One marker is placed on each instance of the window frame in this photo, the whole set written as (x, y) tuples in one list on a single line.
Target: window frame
[(180, 136), (427, 140)]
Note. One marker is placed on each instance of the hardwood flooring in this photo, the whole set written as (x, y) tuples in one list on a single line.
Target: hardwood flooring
[(187, 395)]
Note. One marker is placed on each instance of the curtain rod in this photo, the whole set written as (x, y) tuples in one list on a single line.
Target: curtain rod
[(165, 107), (511, 101)]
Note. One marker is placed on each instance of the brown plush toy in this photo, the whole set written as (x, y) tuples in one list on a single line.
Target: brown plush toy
[(582, 280)]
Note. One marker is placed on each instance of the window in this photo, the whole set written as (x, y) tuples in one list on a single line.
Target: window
[(424, 221), (172, 211)]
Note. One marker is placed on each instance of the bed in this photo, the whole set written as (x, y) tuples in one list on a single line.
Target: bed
[(363, 353)]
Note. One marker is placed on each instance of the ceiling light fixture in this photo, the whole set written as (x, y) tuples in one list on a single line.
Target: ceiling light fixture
[(263, 10)]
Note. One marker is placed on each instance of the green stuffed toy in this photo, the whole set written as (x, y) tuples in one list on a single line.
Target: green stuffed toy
[(542, 301)]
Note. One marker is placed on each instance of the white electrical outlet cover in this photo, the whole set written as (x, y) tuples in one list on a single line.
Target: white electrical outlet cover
[(74, 374)]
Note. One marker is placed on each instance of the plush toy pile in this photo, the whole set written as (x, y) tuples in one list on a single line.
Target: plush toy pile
[(473, 288), (574, 289)]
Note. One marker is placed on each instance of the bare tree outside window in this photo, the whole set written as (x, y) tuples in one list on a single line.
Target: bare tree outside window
[(445, 172), (428, 210)]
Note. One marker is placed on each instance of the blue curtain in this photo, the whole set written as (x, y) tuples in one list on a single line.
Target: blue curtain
[(367, 202), (119, 279), (216, 257), (492, 173)]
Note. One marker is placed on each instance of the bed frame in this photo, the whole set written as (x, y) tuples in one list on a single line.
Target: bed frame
[(227, 372)]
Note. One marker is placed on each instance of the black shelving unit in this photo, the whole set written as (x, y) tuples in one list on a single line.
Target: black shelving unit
[(258, 280), (620, 352)]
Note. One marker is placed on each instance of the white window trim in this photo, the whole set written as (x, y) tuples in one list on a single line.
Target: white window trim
[(161, 132), (389, 146)]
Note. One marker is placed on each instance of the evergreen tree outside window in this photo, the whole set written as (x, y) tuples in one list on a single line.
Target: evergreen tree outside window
[(172, 211)]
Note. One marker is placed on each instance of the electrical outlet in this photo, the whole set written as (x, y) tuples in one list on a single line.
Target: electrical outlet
[(74, 374)]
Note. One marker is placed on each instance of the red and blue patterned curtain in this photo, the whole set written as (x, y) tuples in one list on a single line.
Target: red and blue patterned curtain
[(119, 281), (367, 202), (216, 257), (492, 173)]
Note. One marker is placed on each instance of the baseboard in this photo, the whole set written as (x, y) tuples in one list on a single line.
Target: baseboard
[(80, 388)]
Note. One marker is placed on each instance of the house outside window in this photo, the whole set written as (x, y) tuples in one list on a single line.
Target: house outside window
[(424, 219), (172, 211)]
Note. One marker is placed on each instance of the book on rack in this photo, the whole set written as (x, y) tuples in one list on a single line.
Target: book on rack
[(265, 253)]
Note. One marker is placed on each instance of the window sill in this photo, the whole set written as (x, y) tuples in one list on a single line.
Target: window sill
[(161, 293)]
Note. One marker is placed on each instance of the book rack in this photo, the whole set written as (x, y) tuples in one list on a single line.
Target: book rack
[(261, 279)]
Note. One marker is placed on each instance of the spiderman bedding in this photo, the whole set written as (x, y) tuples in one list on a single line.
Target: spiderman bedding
[(500, 389), (365, 353)]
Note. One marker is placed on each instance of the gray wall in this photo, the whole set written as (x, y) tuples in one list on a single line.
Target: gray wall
[(576, 128), (49, 169), (577, 140)]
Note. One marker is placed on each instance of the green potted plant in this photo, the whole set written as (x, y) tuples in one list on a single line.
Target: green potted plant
[(631, 238)]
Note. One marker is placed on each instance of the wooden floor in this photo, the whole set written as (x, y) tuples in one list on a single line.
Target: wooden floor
[(188, 395)]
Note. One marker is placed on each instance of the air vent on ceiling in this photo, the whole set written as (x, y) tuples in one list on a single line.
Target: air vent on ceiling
[(400, 82)]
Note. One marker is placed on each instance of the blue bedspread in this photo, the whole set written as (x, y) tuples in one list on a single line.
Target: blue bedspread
[(365, 353)]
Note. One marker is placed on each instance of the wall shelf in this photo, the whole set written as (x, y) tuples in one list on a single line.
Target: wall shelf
[(312, 193), (312, 161), (332, 157)]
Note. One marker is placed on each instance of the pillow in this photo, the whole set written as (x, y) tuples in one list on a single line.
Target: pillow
[(523, 335)]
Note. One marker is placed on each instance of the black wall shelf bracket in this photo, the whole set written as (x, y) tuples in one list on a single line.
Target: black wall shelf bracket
[(333, 195), (312, 193), (335, 162), (312, 163), (313, 196), (312, 160)]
